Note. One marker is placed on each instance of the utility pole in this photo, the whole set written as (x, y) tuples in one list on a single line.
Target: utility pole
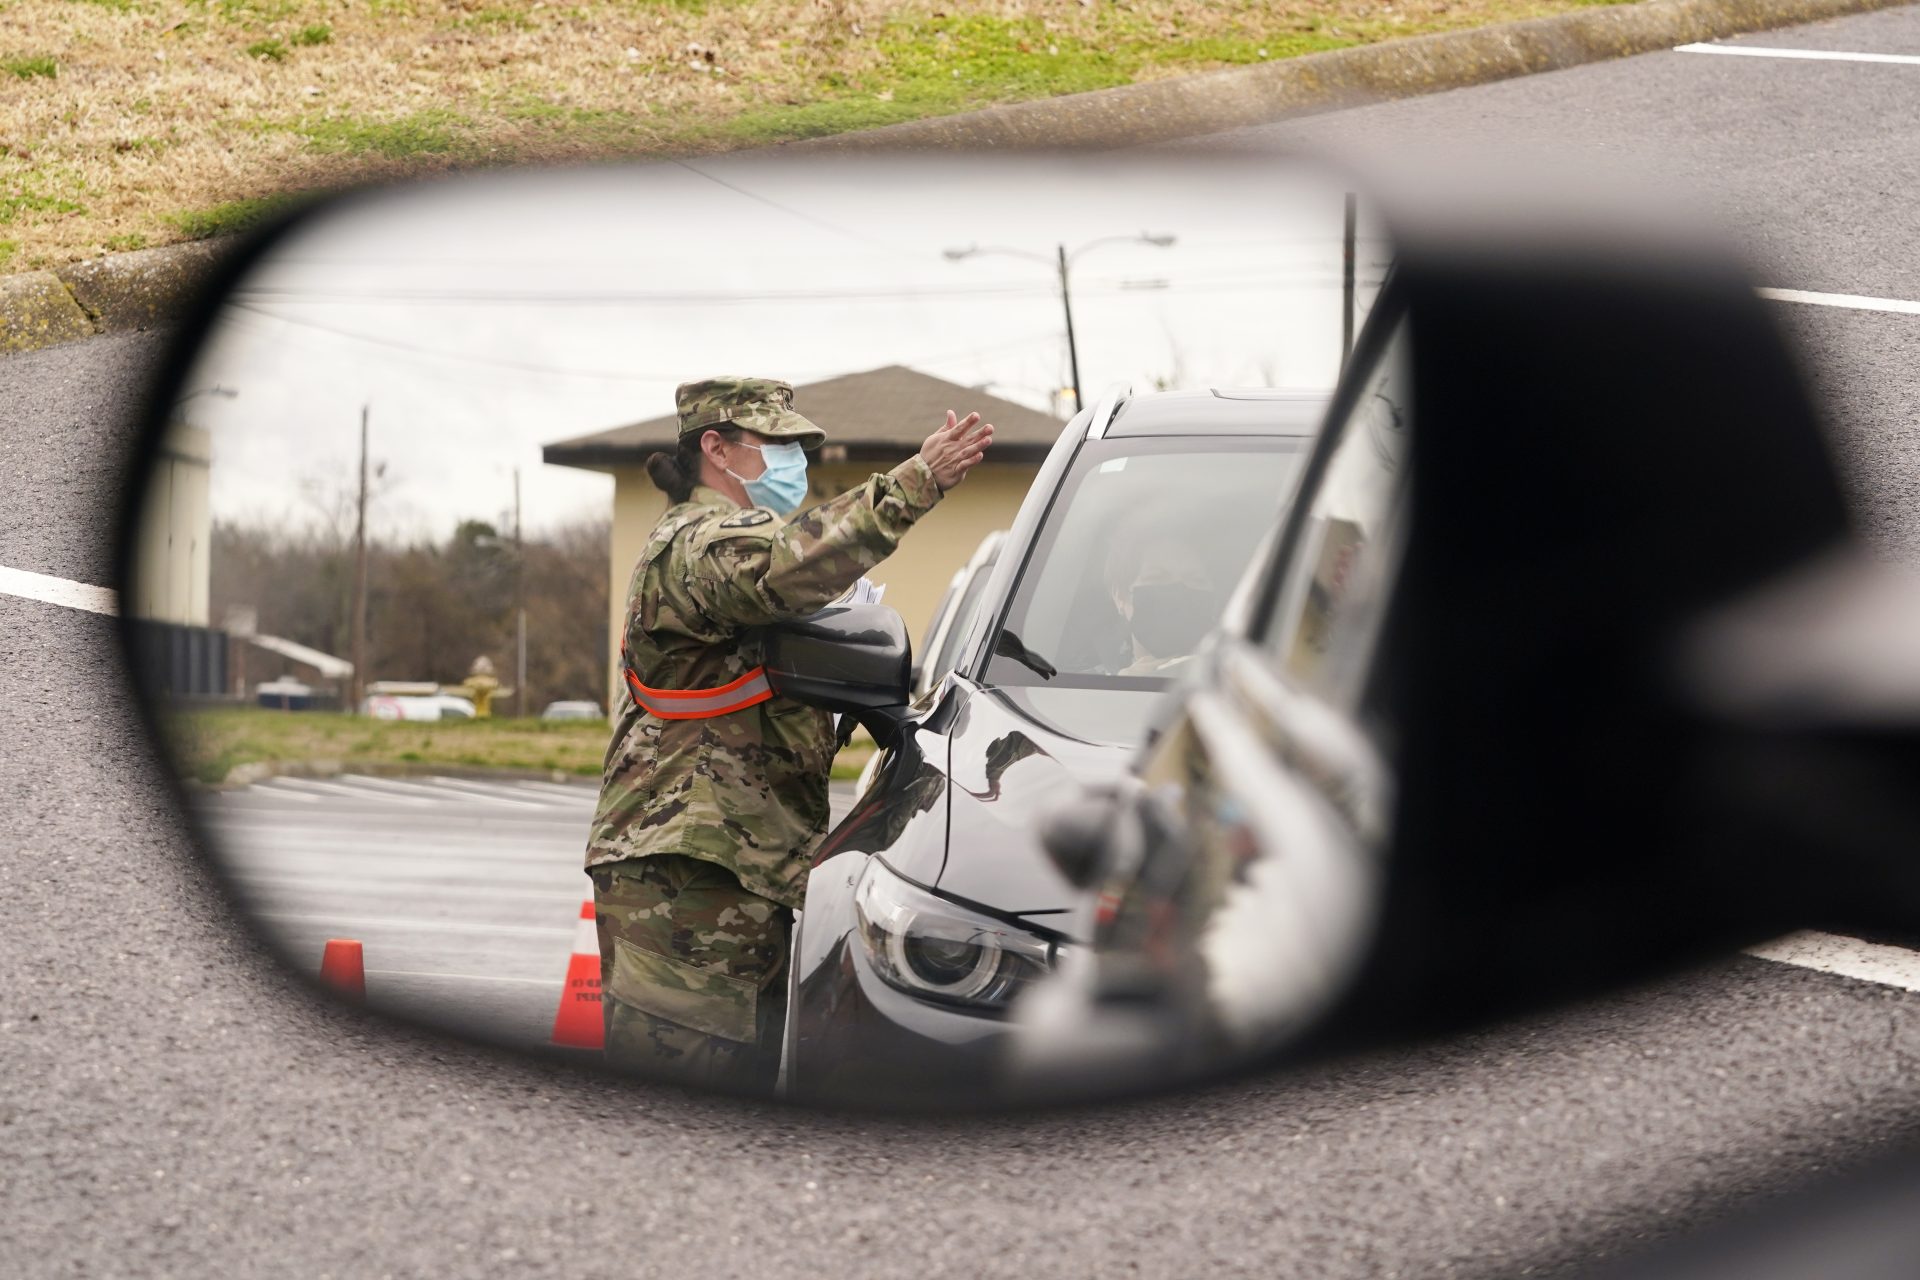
[(1059, 263), (519, 605), (1346, 283), (1073, 351), (358, 684)]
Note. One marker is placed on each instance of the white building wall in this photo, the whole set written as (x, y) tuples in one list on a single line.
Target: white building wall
[(172, 576)]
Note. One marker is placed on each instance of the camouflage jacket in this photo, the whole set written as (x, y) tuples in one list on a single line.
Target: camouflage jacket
[(748, 789)]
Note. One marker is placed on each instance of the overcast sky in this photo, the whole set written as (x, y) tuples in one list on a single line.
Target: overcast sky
[(480, 317)]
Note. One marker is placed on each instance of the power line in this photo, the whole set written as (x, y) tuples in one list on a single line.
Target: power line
[(1239, 281), (771, 203), (527, 366), (489, 361), (701, 297)]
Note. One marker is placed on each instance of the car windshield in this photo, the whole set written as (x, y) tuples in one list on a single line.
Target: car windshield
[(1137, 557)]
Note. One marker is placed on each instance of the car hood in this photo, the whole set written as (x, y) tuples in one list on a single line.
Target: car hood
[(1015, 755)]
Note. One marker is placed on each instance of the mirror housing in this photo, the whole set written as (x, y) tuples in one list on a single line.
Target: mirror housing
[(849, 659)]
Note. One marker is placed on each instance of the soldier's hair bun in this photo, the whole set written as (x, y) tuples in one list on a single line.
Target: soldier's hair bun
[(670, 476)]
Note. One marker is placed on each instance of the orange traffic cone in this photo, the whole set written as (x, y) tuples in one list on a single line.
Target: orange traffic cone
[(343, 968), (578, 1023)]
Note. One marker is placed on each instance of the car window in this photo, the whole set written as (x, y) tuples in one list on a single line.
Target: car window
[(1144, 542), (962, 622), (939, 615), (1332, 592)]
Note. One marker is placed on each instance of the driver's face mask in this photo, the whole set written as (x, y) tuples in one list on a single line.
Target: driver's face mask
[(1169, 619), (783, 485)]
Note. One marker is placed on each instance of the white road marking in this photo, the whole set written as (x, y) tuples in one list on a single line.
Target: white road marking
[(284, 793), (60, 591), (1847, 957), (582, 794), (481, 791), (1810, 55), (405, 922), (465, 977), (1850, 301), (381, 788), (350, 792)]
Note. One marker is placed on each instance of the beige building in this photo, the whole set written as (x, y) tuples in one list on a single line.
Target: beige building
[(873, 420), (171, 573)]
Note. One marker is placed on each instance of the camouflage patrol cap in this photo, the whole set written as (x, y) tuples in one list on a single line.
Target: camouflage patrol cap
[(764, 405)]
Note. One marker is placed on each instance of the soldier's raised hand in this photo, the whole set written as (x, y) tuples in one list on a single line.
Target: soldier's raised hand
[(952, 451)]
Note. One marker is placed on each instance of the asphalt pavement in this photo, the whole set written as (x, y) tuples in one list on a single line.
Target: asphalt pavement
[(179, 1105), (463, 893)]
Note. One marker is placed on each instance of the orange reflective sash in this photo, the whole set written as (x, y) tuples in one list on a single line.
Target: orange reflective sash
[(699, 704)]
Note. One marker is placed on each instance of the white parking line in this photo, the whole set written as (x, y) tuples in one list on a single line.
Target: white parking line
[(379, 788), (561, 790), (1810, 55), (480, 791), (466, 977), (60, 591), (286, 793), (415, 924), (1850, 301), (341, 789), (1847, 957)]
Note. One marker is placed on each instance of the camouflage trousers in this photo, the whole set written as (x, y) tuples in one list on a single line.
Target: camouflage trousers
[(692, 971)]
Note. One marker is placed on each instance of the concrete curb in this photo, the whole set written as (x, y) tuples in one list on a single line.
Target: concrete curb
[(138, 290), (37, 310), (132, 291)]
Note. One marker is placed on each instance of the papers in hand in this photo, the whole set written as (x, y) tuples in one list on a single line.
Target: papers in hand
[(865, 591)]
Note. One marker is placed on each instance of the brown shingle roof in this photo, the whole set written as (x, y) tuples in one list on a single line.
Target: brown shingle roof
[(881, 414)]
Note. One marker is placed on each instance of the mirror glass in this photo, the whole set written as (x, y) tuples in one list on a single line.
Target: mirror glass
[(398, 522)]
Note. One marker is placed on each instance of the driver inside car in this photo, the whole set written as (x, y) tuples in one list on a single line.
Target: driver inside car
[(1162, 587)]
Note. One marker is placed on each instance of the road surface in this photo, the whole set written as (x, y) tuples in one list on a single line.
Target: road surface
[(462, 892), (176, 1104)]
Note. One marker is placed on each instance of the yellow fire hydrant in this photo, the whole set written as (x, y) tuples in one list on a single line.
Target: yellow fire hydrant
[(480, 687)]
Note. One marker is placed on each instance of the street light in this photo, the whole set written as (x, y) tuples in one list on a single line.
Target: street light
[(1060, 262)]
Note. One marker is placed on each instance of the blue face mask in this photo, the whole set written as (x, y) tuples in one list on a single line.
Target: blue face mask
[(783, 485)]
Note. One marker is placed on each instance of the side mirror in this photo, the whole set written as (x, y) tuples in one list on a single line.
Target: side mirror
[(850, 659)]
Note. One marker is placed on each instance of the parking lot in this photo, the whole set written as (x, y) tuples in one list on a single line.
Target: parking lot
[(463, 893)]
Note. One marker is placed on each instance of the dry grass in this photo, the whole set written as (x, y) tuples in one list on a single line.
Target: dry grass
[(126, 123)]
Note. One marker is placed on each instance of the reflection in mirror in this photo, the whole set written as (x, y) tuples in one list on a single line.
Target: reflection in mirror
[(461, 546)]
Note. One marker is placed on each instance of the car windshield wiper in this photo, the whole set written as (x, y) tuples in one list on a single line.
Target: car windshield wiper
[(1008, 645)]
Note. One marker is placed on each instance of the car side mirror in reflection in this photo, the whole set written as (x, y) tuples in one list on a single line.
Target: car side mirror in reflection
[(849, 659)]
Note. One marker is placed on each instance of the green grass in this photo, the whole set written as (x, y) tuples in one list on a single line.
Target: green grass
[(590, 127), (434, 132), (495, 19), (253, 12), (307, 37), (19, 202), (231, 217), (124, 243), (7, 249), (948, 64), (271, 50), (207, 744), (30, 68)]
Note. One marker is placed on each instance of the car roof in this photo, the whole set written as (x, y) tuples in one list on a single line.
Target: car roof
[(1215, 411)]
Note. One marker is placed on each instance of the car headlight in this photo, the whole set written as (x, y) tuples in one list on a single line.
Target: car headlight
[(939, 950)]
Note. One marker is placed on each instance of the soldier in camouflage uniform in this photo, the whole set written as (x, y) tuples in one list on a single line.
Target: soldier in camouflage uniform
[(714, 791)]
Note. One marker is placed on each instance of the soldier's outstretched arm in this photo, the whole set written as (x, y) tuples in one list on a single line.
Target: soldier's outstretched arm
[(750, 570)]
